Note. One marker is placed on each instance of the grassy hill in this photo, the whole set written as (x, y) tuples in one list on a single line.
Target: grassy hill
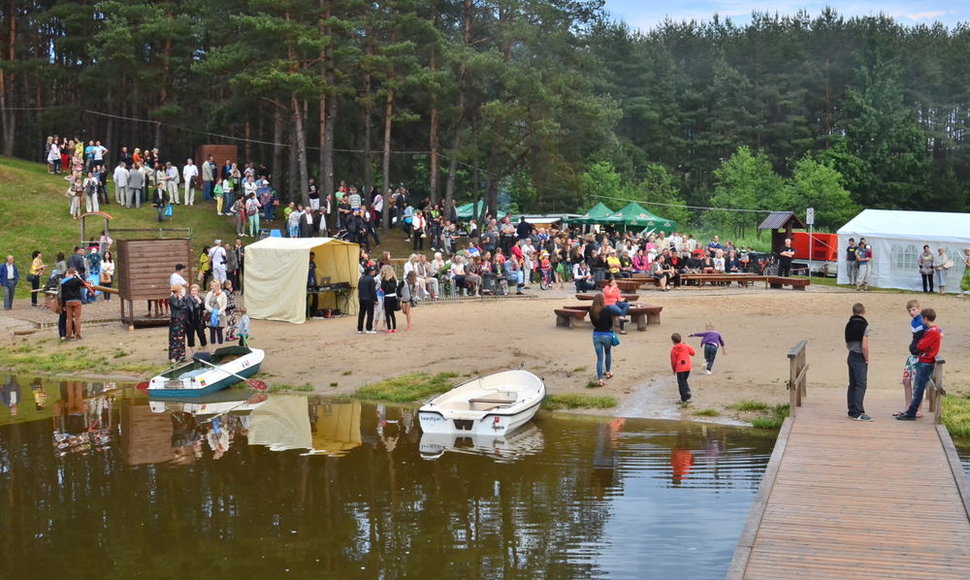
[(34, 214)]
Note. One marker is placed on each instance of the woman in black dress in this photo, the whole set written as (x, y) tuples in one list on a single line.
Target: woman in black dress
[(176, 327)]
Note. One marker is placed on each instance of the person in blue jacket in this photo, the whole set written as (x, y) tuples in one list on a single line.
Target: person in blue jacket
[(9, 277)]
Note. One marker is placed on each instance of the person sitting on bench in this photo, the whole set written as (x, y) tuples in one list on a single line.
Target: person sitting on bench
[(583, 278)]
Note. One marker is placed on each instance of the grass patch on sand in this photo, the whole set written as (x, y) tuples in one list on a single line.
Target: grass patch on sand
[(956, 416), (407, 388), (772, 419), (285, 388), (748, 405), (707, 413), (575, 401)]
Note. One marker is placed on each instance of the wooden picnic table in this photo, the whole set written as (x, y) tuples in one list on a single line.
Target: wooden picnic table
[(627, 297)]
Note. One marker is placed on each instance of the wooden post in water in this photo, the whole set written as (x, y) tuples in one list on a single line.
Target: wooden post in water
[(797, 376), (935, 391)]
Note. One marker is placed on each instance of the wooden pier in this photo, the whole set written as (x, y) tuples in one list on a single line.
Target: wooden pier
[(848, 499)]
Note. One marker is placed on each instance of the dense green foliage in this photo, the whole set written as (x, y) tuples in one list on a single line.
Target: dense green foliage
[(542, 100)]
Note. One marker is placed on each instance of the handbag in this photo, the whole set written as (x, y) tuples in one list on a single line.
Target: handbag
[(168, 210), (948, 264), (105, 278), (614, 339)]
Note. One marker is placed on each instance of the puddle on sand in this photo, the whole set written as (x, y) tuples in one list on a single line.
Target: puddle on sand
[(653, 400)]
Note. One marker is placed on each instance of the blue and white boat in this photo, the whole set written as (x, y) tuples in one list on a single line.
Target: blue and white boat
[(198, 379)]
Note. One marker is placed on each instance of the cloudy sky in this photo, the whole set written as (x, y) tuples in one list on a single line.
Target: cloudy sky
[(645, 14)]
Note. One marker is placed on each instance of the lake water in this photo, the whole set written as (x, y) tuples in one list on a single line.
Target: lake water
[(97, 483)]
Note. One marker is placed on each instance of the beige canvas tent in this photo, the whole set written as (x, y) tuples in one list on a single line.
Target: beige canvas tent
[(276, 276)]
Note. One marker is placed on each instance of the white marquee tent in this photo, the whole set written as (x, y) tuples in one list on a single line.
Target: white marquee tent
[(897, 239), (276, 276)]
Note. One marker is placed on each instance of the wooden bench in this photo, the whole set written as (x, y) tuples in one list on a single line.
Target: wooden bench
[(647, 280), (642, 315), (782, 281), (627, 297), (568, 317), (492, 401), (645, 314), (624, 284), (742, 279)]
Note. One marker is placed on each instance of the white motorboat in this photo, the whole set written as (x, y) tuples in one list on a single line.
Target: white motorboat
[(506, 448), (490, 405)]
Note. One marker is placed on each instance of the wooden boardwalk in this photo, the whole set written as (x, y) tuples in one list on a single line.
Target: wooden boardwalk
[(846, 499)]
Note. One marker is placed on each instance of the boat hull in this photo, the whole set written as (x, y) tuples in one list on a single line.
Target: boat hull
[(195, 380), (488, 406)]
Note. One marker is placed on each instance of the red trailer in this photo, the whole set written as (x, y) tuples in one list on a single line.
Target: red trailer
[(819, 251)]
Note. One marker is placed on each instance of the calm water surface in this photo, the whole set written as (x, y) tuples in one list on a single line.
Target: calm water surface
[(97, 483)]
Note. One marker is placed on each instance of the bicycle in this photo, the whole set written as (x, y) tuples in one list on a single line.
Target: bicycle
[(545, 279)]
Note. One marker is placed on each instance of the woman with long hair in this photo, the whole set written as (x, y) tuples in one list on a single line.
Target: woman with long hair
[(602, 320), (407, 296), (107, 273), (391, 303), (215, 312), (195, 320)]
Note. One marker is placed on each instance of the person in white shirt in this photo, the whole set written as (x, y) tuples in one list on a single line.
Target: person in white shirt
[(172, 185), (178, 278), (189, 172), (121, 184), (217, 261)]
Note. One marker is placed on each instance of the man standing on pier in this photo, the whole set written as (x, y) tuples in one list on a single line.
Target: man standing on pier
[(857, 342)]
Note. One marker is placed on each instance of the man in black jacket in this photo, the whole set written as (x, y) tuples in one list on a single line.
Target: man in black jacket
[(367, 299), (857, 343)]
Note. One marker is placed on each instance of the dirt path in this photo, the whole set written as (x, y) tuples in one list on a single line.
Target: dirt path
[(479, 337)]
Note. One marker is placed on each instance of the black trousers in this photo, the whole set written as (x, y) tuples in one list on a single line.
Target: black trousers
[(682, 386), (366, 310), (858, 376)]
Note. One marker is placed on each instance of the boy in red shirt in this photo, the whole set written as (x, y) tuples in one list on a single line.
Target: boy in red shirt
[(928, 348), (680, 363)]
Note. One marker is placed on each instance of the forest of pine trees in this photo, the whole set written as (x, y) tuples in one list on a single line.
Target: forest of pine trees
[(535, 102)]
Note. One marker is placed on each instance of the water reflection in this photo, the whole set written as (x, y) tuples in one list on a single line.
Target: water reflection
[(312, 488)]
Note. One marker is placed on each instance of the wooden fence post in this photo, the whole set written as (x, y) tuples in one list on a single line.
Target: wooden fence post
[(935, 391), (797, 376)]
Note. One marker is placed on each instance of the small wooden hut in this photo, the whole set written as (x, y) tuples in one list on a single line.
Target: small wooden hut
[(781, 224), (144, 269)]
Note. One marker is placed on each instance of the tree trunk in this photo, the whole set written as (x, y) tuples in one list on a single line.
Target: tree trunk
[(328, 106), (300, 138), (248, 147), (386, 165), (433, 138), (7, 117), (366, 111), (467, 21), (277, 169)]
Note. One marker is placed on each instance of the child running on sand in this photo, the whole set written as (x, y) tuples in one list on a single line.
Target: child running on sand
[(680, 363), (710, 340)]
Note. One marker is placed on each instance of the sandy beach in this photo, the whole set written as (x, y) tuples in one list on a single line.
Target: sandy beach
[(472, 337)]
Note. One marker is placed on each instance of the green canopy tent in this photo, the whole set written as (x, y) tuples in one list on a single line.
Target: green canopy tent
[(471, 211), (635, 216), (594, 215)]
